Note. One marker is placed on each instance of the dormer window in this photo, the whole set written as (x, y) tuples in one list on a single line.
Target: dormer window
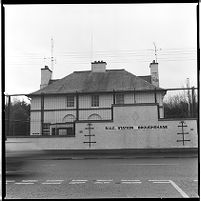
[(95, 101)]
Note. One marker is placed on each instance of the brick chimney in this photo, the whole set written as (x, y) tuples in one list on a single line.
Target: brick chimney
[(154, 73), (46, 75), (98, 66)]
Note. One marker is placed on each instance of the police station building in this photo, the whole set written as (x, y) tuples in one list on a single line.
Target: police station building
[(105, 109)]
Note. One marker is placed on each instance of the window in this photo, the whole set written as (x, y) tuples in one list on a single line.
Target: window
[(94, 117), (67, 130), (69, 118), (46, 128), (62, 131), (119, 98), (70, 101), (95, 101)]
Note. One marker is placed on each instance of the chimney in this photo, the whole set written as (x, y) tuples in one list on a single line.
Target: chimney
[(46, 75), (154, 73), (98, 66)]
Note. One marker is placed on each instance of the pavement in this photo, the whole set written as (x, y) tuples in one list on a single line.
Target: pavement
[(118, 153)]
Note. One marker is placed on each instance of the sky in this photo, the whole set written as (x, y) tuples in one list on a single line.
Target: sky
[(123, 35)]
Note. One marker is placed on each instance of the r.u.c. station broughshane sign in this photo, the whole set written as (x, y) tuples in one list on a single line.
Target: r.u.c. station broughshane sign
[(139, 127)]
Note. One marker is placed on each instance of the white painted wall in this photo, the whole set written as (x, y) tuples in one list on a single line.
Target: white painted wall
[(105, 101), (105, 114), (130, 116)]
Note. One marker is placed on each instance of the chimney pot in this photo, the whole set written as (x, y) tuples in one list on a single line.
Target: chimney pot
[(46, 75)]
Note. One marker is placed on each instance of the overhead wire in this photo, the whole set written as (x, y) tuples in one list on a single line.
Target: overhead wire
[(171, 54)]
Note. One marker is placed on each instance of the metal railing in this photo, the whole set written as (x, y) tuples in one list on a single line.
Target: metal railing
[(177, 103)]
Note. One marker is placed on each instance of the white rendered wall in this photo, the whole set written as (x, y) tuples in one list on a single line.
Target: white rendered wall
[(58, 105), (124, 132)]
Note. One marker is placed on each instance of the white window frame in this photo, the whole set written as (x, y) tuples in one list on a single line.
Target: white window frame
[(70, 101), (94, 100)]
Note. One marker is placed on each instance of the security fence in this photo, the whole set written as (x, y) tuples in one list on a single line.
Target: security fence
[(22, 116), (17, 115), (181, 103)]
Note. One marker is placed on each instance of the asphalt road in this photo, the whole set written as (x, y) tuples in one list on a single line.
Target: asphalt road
[(105, 178)]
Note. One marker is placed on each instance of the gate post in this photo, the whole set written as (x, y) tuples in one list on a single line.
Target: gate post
[(193, 102), (8, 116), (42, 112), (77, 106)]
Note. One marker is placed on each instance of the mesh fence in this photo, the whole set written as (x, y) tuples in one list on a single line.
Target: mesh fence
[(20, 121), (17, 115), (181, 103)]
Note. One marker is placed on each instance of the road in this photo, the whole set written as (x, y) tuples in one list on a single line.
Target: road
[(106, 178)]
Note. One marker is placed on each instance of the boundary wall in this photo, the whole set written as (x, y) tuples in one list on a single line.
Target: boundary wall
[(133, 127)]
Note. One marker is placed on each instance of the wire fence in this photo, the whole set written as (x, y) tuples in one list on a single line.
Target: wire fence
[(181, 103), (19, 119)]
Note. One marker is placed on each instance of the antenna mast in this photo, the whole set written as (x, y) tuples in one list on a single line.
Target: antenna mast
[(155, 50), (92, 47), (52, 57)]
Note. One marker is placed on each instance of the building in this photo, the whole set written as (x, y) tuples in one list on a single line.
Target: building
[(90, 96)]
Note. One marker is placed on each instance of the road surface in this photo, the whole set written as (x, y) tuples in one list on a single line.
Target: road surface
[(106, 178)]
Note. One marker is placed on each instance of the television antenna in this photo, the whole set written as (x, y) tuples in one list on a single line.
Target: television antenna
[(51, 58), (155, 51), (91, 47), (52, 54)]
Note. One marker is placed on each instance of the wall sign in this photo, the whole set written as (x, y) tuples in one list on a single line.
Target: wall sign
[(136, 127)]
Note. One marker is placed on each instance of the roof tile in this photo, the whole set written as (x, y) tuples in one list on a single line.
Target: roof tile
[(87, 81)]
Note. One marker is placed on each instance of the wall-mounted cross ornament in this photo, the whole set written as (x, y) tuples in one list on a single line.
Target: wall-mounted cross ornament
[(182, 125), (89, 128)]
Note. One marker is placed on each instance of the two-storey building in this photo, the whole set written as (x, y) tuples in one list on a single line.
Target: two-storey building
[(90, 96)]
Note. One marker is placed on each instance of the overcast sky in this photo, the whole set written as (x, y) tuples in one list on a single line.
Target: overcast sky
[(123, 35)]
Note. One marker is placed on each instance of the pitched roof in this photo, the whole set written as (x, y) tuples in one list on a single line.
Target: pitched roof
[(88, 81), (146, 78)]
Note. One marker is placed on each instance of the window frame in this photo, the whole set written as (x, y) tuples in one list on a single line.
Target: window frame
[(95, 101), (119, 98), (70, 101), (55, 130)]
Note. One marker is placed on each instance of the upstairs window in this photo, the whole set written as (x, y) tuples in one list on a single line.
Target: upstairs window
[(119, 98), (70, 101), (95, 100)]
